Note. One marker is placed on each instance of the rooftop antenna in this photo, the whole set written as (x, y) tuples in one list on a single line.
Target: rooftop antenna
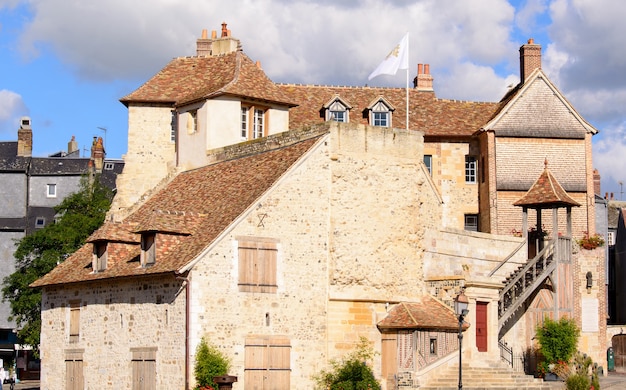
[(620, 189), (104, 143)]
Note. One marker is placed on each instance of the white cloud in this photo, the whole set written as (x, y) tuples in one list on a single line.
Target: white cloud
[(12, 107)]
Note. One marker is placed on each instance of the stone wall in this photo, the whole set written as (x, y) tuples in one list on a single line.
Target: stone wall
[(111, 325)]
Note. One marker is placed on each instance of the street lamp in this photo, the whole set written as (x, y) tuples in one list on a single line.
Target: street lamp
[(460, 308)]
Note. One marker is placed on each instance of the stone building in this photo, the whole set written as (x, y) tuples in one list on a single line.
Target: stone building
[(30, 189), (285, 222)]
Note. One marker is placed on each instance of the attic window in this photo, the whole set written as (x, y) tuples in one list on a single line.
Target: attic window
[(253, 122), (40, 222), (380, 113), (108, 166), (148, 249), (337, 111), (99, 262), (192, 122)]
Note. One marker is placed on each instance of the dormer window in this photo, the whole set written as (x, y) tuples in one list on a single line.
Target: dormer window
[(380, 113), (337, 110), (99, 262), (192, 122), (148, 249)]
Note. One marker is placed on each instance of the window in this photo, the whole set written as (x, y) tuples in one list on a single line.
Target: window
[(108, 166), (428, 161), (192, 122), (433, 345), (258, 125), (380, 113), (51, 191), (40, 222), (99, 262), (74, 321), (471, 222), (337, 110), (148, 249), (257, 265), (470, 169), (610, 238), (244, 122), (267, 362), (173, 126)]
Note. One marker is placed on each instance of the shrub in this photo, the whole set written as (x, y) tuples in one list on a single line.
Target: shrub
[(558, 339), (577, 382), (210, 362), (352, 373)]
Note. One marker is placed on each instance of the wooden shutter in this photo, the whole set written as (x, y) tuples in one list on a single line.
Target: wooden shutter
[(257, 266), (143, 366), (74, 321), (267, 363), (74, 379)]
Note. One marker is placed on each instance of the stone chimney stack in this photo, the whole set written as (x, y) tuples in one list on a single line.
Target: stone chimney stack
[(72, 146), (25, 138), (424, 80), (529, 59), (215, 46)]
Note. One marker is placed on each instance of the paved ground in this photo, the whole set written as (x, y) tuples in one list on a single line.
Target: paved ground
[(613, 381)]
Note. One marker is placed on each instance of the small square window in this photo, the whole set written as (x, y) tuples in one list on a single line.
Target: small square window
[(108, 166), (51, 191), (471, 222), (40, 222), (433, 346)]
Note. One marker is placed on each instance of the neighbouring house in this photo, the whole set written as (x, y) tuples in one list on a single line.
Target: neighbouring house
[(283, 222), (31, 188)]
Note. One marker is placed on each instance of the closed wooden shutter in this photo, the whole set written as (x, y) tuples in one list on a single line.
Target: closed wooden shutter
[(74, 321), (143, 367), (257, 266), (267, 363)]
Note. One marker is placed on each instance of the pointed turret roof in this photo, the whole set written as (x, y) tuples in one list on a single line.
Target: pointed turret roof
[(546, 193)]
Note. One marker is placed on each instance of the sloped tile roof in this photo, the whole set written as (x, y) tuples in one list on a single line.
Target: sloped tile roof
[(44, 166), (427, 314), (188, 79), (546, 192), (115, 232), (9, 161), (202, 203), (435, 117)]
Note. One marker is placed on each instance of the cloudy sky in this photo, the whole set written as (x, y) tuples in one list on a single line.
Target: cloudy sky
[(66, 63)]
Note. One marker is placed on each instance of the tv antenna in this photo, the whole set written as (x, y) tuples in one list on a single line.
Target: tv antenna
[(104, 141)]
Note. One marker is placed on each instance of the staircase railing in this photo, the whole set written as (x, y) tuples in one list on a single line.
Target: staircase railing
[(522, 283), (506, 353)]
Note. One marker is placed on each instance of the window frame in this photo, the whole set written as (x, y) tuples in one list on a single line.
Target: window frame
[(253, 121), (51, 190), (245, 122), (380, 113), (173, 126), (428, 161), (258, 125), (337, 106), (467, 223), (40, 222), (192, 122), (471, 169)]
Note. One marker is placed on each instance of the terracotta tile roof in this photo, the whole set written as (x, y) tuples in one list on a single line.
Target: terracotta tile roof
[(426, 314), (188, 79), (200, 203), (546, 192), (435, 117)]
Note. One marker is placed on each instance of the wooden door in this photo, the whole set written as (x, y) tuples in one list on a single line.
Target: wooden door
[(619, 352), (481, 326), (144, 374), (74, 375), (267, 363)]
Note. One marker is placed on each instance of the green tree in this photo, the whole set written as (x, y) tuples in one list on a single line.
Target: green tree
[(81, 213), (352, 373), (210, 362), (558, 339)]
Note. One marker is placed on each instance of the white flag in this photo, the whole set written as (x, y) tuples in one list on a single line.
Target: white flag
[(398, 58)]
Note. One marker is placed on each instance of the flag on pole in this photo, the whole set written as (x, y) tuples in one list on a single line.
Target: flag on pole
[(398, 58)]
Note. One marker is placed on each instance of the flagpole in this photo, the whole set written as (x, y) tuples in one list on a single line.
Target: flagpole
[(407, 81)]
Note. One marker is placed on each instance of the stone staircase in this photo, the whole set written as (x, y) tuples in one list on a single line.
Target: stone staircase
[(495, 377)]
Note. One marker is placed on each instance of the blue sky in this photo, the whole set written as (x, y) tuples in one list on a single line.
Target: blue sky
[(66, 63)]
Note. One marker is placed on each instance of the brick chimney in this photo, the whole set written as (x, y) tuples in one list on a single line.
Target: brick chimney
[(596, 182), (215, 46), (424, 80), (72, 146), (25, 138), (529, 59), (97, 154)]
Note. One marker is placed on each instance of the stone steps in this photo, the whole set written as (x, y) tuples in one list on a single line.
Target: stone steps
[(488, 378)]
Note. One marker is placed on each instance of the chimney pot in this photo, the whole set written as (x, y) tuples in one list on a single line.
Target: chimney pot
[(204, 34), (224, 30), (420, 68), (426, 68), (258, 64), (531, 41), (529, 58), (213, 34)]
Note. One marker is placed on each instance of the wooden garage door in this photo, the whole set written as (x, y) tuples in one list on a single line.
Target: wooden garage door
[(267, 363)]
